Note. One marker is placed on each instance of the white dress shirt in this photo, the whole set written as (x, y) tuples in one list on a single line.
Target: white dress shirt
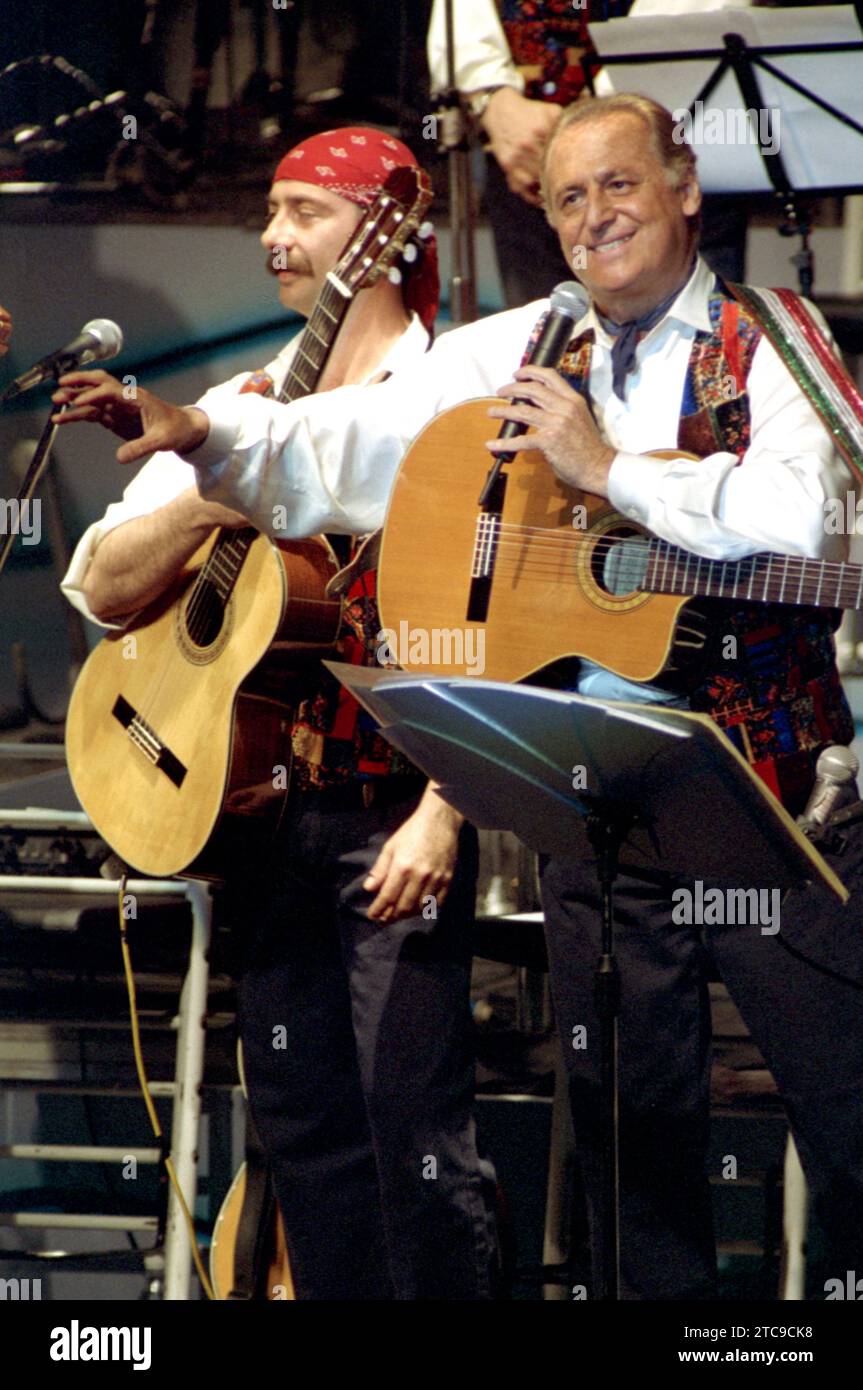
[(482, 56), (331, 459), (165, 475)]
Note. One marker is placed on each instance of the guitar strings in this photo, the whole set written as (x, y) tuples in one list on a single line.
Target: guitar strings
[(205, 604), (772, 568), (552, 576), (578, 537), (662, 552), (512, 559)]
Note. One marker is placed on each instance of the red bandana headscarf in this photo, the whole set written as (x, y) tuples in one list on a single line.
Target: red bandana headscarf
[(355, 162)]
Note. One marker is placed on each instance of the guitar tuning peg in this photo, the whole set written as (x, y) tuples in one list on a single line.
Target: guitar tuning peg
[(394, 275), (426, 230), (410, 253)]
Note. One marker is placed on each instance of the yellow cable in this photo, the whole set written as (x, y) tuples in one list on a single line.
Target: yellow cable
[(148, 1099)]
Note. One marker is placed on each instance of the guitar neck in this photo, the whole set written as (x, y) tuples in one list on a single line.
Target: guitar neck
[(223, 567), (762, 578), (316, 343)]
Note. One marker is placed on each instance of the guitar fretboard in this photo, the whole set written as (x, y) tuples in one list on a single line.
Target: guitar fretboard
[(315, 344), (762, 578), (226, 559)]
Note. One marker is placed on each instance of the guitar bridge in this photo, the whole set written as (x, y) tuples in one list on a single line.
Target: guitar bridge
[(148, 742), (488, 525)]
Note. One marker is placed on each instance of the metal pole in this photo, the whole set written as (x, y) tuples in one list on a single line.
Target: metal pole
[(455, 141), (187, 1096)]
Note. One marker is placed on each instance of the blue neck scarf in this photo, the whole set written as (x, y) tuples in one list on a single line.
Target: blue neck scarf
[(626, 336)]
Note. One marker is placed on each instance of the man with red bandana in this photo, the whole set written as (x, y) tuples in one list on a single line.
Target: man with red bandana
[(354, 1007)]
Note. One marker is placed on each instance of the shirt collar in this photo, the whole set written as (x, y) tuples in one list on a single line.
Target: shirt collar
[(407, 349), (411, 345), (690, 307)]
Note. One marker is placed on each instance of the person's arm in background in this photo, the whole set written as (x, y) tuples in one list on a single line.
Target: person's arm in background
[(5, 330), (517, 128)]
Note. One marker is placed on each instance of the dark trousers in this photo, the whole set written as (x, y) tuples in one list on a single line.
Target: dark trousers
[(803, 1011), (359, 1064)]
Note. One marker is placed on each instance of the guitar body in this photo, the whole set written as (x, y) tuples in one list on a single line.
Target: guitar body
[(278, 1282), (547, 599), (174, 733)]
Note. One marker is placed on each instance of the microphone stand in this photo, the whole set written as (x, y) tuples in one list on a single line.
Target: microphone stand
[(455, 143), (38, 464)]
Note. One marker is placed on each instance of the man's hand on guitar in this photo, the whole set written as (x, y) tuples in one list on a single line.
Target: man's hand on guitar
[(563, 428), (416, 862), (144, 420)]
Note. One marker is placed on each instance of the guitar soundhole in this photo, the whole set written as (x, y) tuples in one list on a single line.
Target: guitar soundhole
[(202, 625), (205, 615), (619, 562)]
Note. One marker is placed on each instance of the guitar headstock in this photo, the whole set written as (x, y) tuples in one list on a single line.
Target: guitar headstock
[(389, 224)]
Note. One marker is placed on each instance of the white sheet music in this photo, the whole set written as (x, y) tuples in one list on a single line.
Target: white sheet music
[(818, 151)]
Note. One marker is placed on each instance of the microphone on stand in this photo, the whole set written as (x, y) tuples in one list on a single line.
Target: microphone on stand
[(98, 340), (569, 302), (835, 773)]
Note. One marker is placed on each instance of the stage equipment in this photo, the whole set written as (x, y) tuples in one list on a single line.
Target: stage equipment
[(454, 125), (149, 152), (107, 341)]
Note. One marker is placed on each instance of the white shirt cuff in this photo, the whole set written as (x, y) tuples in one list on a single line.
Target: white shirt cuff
[(221, 440), (633, 477)]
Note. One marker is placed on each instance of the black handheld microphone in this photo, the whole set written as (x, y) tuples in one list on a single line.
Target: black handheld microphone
[(834, 787), (569, 301), (98, 340)]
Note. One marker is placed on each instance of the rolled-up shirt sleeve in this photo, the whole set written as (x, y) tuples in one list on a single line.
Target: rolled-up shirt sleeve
[(162, 478)]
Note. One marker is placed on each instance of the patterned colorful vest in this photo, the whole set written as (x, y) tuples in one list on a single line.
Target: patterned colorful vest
[(333, 738), (548, 38), (778, 695)]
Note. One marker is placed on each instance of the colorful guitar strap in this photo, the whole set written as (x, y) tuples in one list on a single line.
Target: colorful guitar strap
[(806, 353)]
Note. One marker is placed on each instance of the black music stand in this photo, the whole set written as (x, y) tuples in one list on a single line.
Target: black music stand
[(751, 41), (505, 756)]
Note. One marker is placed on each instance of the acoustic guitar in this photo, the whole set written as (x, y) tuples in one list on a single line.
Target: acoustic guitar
[(177, 731), (273, 1278), (547, 571)]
